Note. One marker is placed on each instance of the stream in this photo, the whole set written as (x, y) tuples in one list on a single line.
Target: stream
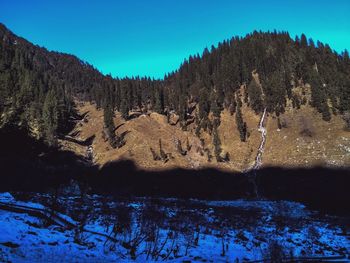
[(262, 129), (258, 159)]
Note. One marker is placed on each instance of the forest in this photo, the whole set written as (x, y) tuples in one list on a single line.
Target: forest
[(38, 88)]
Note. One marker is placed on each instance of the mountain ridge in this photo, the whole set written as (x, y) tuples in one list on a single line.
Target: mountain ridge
[(213, 101)]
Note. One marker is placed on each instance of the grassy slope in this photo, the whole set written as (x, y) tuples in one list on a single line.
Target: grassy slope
[(329, 144)]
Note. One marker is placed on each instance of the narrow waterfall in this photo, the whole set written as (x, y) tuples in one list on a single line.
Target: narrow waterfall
[(258, 159)]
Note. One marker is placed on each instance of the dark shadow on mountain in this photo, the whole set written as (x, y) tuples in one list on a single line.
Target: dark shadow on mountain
[(320, 188), (88, 141), (121, 137), (27, 164), (120, 125), (81, 116), (123, 178)]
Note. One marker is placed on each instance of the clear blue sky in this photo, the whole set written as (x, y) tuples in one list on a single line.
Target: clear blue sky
[(138, 37)]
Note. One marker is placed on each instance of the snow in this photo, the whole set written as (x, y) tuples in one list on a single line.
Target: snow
[(6, 197), (24, 238), (37, 243), (9, 199)]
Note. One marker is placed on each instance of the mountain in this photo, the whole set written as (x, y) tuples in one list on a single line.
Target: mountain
[(208, 113)]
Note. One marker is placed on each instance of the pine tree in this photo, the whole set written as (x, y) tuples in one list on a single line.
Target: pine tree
[(319, 96), (159, 102), (179, 148), (188, 145), (255, 96), (50, 118), (162, 154), (303, 41), (109, 124), (243, 72), (241, 125), (204, 105), (275, 93), (217, 144), (182, 110), (124, 109), (215, 108), (345, 96)]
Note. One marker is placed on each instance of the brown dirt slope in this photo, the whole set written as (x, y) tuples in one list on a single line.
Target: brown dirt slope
[(305, 140)]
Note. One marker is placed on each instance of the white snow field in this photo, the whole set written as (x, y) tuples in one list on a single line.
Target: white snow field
[(100, 229)]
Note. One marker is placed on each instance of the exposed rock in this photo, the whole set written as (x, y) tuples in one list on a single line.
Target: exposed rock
[(173, 119)]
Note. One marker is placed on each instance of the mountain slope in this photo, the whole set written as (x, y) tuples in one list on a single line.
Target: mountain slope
[(205, 114), (304, 141)]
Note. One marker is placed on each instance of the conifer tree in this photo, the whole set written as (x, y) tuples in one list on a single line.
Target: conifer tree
[(215, 109), (319, 96), (182, 110), (303, 41), (159, 102), (217, 144), (241, 125), (204, 106), (275, 93), (255, 96), (345, 96), (50, 118), (124, 109), (162, 154), (108, 115)]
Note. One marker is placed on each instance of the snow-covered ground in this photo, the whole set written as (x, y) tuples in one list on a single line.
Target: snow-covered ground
[(141, 229)]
